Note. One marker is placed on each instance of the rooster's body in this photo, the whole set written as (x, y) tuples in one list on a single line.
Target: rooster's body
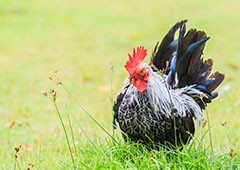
[(170, 91)]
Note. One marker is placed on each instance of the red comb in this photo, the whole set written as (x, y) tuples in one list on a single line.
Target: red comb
[(135, 59)]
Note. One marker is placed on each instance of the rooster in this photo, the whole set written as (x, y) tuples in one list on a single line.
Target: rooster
[(161, 101)]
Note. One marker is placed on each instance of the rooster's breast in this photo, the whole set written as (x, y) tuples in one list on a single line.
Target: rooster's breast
[(138, 120)]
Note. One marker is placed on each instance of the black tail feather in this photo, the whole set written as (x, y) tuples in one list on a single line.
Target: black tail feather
[(163, 52), (191, 69), (218, 79), (186, 64)]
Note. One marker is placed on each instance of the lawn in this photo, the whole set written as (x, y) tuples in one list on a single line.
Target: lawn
[(83, 40)]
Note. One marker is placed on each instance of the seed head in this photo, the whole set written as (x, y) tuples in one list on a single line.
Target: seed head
[(45, 94)]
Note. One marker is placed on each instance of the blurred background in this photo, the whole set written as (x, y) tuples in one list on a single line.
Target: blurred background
[(83, 40)]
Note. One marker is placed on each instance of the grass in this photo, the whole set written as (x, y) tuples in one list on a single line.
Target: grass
[(128, 156), (80, 38)]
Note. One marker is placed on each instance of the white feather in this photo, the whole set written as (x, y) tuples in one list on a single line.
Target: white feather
[(164, 99)]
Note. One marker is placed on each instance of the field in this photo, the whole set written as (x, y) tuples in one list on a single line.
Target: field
[(83, 40)]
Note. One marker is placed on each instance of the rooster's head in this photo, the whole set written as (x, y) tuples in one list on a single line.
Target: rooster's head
[(138, 74)]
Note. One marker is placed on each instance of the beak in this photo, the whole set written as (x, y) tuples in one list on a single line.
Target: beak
[(132, 80)]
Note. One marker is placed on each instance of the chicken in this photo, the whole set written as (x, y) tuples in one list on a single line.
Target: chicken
[(162, 100)]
